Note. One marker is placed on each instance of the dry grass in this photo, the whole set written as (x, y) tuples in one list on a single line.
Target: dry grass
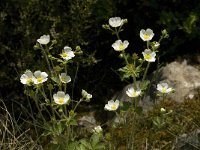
[(12, 135)]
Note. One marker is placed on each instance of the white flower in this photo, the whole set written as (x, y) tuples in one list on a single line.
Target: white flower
[(86, 95), (119, 45), (146, 35), (40, 77), (116, 22), (67, 53), (112, 105), (163, 88), (162, 109), (61, 98), (64, 78), (156, 44), (149, 55), (97, 129), (27, 78), (131, 92), (191, 96), (44, 39)]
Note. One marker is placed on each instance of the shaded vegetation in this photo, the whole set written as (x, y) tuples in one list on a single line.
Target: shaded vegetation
[(78, 24)]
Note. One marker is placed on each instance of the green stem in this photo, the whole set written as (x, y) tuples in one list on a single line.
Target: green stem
[(77, 104), (125, 58), (73, 85), (47, 61), (134, 78), (65, 109), (45, 97), (39, 110), (118, 116), (148, 44), (47, 51), (57, 114), (32, 117), (135, 82), (163, 97), (65, 85), (160, 39), (60, 85), (51, 97), (117, 33), (51, 62), (145, 73)]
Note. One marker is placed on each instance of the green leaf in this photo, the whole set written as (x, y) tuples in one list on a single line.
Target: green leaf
[(72, 114), (59, 128), (144, 85), (73, 145), (139, 110), (130, 71), (157, 122), (126, 106), (82, 147), (85, 144), (100, 146), (56, 79), (72, 122), (94, 140)]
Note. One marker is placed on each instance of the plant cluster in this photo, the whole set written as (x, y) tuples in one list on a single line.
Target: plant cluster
[(57, 109)]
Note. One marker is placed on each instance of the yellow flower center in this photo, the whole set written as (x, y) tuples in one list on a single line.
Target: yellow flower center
[(134, 94), (146, 36), (40, 79), (62, 79), (60, 100), (147, 56), (114, 106), (164, 90), (29, 81), (121, 46), (64, 54)]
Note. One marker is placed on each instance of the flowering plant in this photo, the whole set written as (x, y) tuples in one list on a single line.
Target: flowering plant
[(56, 108), (112, 105), (164, 88), (135, 67)]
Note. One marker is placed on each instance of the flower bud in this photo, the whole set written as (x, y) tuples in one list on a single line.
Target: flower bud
[(106, 26), (135, 56), (165, 33)]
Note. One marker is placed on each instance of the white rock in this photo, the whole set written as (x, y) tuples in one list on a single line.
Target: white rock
[(184, 78)]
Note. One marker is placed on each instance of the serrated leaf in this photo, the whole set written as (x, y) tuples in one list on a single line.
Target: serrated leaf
[(85, 144), (130, 71), (82, 147), (72, 113), (72, 122), (145, 84), (72, 146)]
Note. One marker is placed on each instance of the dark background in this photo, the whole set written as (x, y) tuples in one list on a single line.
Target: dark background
[(76, 22)]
